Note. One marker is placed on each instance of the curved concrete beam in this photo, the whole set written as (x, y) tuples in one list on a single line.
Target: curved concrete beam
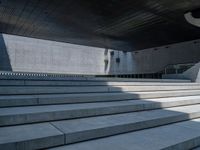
[(194, 21)]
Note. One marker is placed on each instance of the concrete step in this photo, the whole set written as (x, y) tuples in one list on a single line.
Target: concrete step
[(33, 76), (86, 83), (178, 136), (26, 100), (17, 90), (30, 137), (95, 127), (31, 114), (44, 135), (139, 79)]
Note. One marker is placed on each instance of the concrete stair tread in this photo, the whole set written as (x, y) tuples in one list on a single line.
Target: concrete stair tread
[(20, 115), (24, 100), (96, 79), (94, 127), (85, 83), (32, 136), (179, 136), (91, 123), (138, 79), (87, 94), (47, 108), (6, 90)]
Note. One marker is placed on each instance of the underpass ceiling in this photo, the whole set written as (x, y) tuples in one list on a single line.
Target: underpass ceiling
[(118, 24)]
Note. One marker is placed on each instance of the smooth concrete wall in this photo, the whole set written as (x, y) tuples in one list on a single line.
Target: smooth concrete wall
[(156, 59), (35, 55)]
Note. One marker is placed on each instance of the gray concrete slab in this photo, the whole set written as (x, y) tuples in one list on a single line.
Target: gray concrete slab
[(21, 115), (26, 137), (100, 97), (141, 80), (90, 128), (19, 100), (86, 83), (78, 77), (44, 135), (8, 90), (11, 82), (99, 83), (169, 137), (150, 88), (25, 100)]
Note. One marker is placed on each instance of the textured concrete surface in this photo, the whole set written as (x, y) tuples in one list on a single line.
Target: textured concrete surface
[(22, 115), (9, 90), (69, 123), (35, 55), (33, 136), (94, 115), (179, 136), (51, 134), (23, 100), (86, 83), (91, 128)]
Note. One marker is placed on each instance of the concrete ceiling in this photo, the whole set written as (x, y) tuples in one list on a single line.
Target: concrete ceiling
[(118, 24)]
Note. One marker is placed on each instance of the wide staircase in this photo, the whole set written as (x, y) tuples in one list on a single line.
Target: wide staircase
[(99, 114)]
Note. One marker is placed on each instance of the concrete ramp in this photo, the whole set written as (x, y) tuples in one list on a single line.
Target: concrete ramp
[(192, 74)]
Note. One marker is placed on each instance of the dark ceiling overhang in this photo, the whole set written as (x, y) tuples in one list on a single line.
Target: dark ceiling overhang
[(118, 24)]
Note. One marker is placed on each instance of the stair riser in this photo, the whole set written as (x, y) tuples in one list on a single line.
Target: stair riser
[(60, 115)]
